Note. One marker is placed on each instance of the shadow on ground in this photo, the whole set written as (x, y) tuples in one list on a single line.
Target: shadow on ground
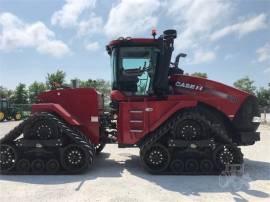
[(187, 185), (195, 185)]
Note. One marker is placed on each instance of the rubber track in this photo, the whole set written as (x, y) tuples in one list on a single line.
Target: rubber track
[(74, 134), (17, 131), (217, 130)]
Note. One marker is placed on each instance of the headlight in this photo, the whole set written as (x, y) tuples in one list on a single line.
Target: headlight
[(256, 119)]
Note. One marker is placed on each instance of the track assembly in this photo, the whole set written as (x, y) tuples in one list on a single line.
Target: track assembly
[(190, 153), (38, 152)]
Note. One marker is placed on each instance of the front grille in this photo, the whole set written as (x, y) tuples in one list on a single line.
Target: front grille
[(244, 116)]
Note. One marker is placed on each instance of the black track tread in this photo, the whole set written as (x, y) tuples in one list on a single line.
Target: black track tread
[(74, 134), (217, 130), (17, 131), (99, 148)]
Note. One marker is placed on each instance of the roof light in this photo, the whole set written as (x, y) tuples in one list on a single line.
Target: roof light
[(154, 32)]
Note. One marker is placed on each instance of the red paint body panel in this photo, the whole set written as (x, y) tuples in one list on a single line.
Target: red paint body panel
[(224, 98), (76, 106), (151, 114), (139, 115), (55, 108)]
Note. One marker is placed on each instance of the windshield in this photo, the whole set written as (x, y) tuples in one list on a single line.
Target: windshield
[(133, 70)]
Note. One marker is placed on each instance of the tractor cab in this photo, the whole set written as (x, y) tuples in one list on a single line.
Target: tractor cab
[(140, 66)]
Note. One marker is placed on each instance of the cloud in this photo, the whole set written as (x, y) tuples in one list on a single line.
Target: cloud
[(14, 33), (264, 53), (201, 56), (228, 56), (92, 25), (92, 46), (55, 48), (197, 19), (267, 70), (70, 12), (263, 56), (249, 25), (130, 17)]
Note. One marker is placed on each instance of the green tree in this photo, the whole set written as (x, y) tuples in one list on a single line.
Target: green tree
[(263, 96), (34, 90), (100, 85), (5, 93), (200, 74), (55, 79), (245, 84), (20, 94)]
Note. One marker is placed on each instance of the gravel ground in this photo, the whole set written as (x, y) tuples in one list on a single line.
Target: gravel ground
[(118, 176)]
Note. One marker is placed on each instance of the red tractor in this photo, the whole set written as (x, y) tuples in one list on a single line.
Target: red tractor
[(182, 124)]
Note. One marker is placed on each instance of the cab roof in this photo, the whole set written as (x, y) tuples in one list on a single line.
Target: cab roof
[(131, 42)]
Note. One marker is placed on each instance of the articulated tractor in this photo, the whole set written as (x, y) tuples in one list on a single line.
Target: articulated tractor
[(181, 124)]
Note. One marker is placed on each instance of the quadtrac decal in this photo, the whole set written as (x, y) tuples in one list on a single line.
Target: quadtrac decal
[(190, 86)]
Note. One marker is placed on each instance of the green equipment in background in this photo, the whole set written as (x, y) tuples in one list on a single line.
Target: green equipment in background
[(8, 112)]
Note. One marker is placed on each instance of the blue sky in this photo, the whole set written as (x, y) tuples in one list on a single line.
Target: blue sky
[(226, 39)]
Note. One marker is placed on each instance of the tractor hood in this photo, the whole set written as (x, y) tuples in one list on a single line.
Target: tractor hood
[(182, 84), (223, 97)]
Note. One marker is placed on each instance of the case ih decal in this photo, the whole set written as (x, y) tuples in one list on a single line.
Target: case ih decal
[(189, 86)]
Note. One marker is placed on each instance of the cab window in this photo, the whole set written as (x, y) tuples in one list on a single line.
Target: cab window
[(136, 68)]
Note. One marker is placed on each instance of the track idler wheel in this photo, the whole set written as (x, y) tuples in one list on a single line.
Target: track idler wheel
[(52, 166), (192, 165), (156, 158), (23, 165), (37, 166), (177, 166), (74, 158), (8, 157), (206, 165), (226, 155)]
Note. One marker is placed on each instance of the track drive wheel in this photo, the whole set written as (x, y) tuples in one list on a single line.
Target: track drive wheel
[(75, 158), (156, 158), (191, 126), (2, 116), (42, 129), (226, 155), (8, 157), (99, 147)]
